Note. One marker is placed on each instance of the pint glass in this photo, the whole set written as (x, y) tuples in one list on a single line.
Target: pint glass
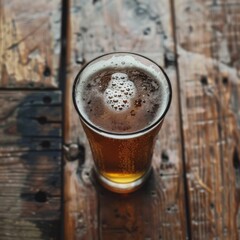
[(122, 99)]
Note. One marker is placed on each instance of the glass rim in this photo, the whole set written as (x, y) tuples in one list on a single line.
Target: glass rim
[(120, 134)]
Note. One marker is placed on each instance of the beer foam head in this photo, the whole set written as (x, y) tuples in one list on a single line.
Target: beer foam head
[(119, 92), (122, 90)]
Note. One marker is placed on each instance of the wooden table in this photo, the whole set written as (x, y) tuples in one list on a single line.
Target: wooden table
[(46, 189)]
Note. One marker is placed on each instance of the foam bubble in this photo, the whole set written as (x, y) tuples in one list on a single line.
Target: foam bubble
[(126, 93), (119, 92)]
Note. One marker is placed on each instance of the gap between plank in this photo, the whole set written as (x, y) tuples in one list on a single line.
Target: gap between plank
[(62, 86), (184, 164)]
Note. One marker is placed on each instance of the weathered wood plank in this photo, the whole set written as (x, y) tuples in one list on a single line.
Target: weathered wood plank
[(30, 164), (208, 48), (157, 211), (26, 230), (29, 120), (29, 43)]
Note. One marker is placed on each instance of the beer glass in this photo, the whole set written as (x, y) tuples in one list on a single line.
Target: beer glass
[(122, 99)]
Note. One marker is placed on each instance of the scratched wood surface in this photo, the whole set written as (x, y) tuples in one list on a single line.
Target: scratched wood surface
[(157, 211), (30, 158), (29, 43), (208, 43)]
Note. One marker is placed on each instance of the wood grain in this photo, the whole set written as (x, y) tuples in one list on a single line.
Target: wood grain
[(30, 170), (207, 45), (29, 43), (157, 211)]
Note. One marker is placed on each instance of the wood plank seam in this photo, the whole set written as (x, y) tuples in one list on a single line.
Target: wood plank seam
[(181, 131), (63, 87)]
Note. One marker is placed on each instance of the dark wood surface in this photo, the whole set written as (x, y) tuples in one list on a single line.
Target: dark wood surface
[(30, 164), (46, 187)]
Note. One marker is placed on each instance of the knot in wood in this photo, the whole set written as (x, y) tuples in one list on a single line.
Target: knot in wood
[(74, 152), (169, 59)]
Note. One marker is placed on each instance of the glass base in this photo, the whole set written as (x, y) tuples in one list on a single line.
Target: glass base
[(122, 187)]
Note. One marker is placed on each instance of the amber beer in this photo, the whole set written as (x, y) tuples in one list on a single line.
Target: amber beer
[(122, 99)]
